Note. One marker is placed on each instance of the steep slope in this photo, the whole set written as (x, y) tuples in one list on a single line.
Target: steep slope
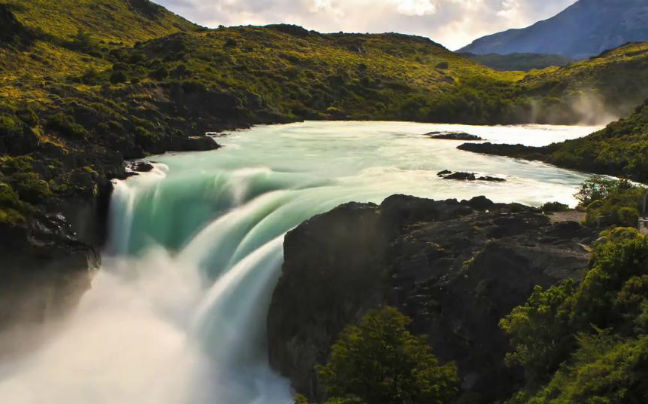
[(111, 21), (585, 29)]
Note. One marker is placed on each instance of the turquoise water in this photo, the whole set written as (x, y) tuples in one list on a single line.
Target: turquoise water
[(177, 313)]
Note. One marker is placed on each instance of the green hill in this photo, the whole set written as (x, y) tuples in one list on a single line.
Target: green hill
[(519, 61), (121, 22)]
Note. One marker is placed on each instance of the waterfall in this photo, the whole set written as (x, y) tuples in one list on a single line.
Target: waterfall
[(177, 312)]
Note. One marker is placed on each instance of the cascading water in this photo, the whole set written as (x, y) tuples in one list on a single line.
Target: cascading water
[(177, 312)]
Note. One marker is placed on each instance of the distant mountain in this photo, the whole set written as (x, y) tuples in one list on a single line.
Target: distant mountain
[(584, 29), (519, 61)]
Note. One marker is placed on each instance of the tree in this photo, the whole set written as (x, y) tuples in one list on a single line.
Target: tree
[(379, 361)]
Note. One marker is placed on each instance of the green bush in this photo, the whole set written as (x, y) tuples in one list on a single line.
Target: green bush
[(15, 136), (67, 126), (551, 207), (604, 370), (31, 187), (160, 73), (540, 332), (145, 138), (600, 188), (28, 116), (611, 202), (379, 361), (118, 77), (556, 335)]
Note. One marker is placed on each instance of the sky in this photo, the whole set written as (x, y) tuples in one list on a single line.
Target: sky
[(453, 23)]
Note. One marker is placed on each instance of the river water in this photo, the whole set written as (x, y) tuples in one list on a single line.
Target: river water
[(177, 311)]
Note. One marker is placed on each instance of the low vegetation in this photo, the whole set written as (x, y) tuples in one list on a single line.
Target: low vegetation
[(585, 340), (380, 361), (519, 61)]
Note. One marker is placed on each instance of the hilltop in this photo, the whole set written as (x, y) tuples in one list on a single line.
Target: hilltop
[(584, 29)]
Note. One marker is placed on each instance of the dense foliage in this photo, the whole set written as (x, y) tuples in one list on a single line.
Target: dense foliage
[(379, 361), (612, 202), (586, 342)]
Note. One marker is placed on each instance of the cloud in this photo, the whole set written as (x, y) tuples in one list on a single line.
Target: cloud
[(453, 23)]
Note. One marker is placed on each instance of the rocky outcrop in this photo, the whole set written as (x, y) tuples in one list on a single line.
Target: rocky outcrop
[(454, 136), (194, 143), (455, 267), (503, 149), (463, 176), (44, 277)]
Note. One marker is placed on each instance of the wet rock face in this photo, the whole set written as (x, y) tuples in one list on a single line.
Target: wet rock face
[(455, 267), (45, 270)]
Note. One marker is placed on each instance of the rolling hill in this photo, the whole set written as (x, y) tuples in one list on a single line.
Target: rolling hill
[(519, 61)]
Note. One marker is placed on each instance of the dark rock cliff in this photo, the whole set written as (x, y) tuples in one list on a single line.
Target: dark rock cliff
[(455, 267), (45, 270)]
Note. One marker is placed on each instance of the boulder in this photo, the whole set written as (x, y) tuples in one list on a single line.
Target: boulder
[(140, 166), (194, 143)]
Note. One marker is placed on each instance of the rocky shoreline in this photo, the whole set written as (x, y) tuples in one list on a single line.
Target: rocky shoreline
[(454, 267)]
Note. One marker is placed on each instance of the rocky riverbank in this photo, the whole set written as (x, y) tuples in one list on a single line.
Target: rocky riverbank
[(454, 267)]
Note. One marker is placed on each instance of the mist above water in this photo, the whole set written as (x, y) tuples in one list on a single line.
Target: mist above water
[(177, 312)]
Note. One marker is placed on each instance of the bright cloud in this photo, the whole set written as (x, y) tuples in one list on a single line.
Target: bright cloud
[(453, 23)]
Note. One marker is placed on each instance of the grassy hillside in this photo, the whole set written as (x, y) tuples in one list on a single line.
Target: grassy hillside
[(122, 22), (519, 61), (613, 82)]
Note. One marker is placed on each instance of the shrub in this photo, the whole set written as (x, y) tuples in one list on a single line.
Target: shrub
[(67, 126), (540, 332), (610, 202), (605, 370), (28, 116), (599, 188), (31, 187), (160, 73), (379, 361), (15, 136), (118, 77), (557, 336), (145, 138), (551, 207)]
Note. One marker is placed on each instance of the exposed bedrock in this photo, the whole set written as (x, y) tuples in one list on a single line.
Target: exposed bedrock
[(45, 270), (455, 267)]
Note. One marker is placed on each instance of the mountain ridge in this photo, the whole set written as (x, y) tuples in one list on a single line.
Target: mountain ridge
[(584, 29)]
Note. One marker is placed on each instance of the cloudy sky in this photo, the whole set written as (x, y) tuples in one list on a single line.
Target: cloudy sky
[(453, 23)]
